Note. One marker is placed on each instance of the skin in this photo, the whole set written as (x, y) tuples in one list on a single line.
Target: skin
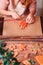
[(32, 9), (30, 17)]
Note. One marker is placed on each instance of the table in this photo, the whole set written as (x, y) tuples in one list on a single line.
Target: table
[(13, 29)]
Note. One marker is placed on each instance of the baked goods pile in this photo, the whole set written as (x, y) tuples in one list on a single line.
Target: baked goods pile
[(24, 53)]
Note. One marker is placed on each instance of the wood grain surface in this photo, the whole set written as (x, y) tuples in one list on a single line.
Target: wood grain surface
[(11, 28)]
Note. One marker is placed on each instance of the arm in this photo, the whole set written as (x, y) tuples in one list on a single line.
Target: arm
[(3, 5), (10, 13), (6, 13), (32, 7)]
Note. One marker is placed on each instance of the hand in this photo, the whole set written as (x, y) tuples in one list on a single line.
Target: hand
[(30, 19), (15, 15)]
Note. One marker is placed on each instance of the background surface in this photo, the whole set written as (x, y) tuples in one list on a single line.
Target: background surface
[(39, 7)]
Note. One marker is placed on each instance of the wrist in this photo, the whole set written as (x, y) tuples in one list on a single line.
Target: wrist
[(32, 12)]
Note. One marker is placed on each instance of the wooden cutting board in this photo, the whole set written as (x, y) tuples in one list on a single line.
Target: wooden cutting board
[(12, 28)]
